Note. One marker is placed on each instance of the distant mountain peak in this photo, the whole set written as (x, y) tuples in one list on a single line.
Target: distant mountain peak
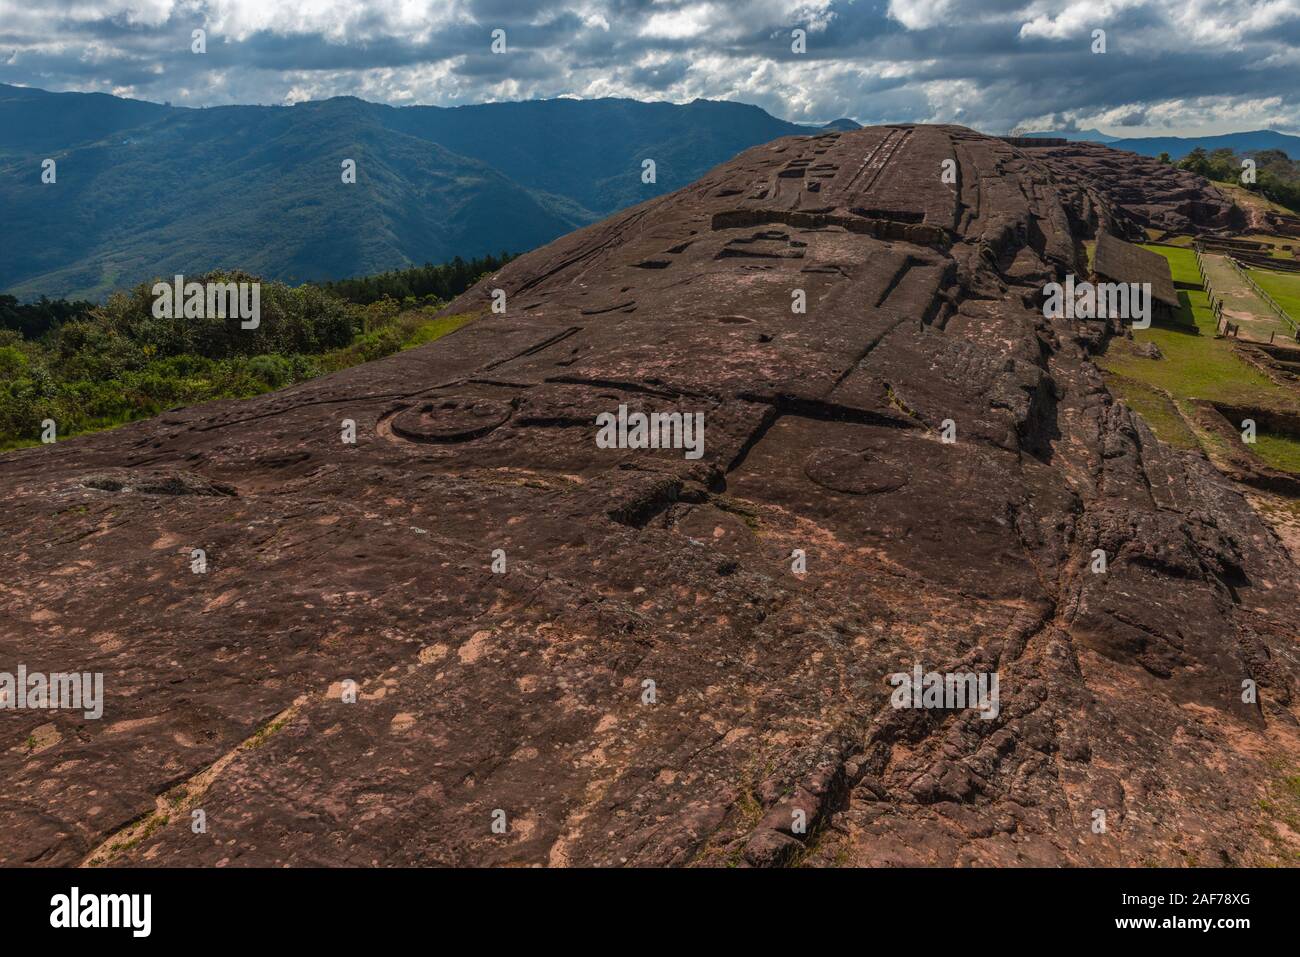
[(1082, 136)]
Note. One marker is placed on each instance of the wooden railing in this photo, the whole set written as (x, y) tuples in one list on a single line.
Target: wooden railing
[(1221, 325)]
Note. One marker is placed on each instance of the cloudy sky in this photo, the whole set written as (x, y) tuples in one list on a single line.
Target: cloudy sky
[(1170, 66)]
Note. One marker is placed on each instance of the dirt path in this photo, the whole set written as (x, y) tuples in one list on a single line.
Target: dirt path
[(1240, 303)]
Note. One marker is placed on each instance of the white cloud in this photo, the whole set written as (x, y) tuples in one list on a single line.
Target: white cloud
[(994, 64), (677, 24), (922, 14)]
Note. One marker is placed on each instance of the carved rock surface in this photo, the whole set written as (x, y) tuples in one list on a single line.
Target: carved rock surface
[(649, 682), (1126, 194)]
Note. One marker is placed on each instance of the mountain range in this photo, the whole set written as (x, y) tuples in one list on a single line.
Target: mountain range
[(1083, 136), (1250, 141), (143, 189)]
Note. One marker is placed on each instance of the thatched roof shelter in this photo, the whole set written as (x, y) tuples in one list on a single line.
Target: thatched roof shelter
[(1117, 261)]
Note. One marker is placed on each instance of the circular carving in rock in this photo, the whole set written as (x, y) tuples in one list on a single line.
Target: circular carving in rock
[(852, 473), (450, 419)]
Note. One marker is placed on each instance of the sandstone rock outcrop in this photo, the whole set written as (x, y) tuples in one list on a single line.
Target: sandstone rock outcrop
[(1126, 194), (654, 679)]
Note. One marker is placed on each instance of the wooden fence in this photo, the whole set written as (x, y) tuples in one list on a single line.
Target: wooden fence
[(1221, 325), (1216, 303)]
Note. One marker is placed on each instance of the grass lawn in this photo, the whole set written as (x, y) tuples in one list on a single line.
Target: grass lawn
[(1156, 410), (1194, 367), (1279, 451), (1182, 263), (1284, 287), (414, 327), (436, 328), (10, 444)]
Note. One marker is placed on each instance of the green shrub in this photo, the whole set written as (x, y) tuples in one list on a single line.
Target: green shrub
[(275, 371), (13, 362), (90, 367)]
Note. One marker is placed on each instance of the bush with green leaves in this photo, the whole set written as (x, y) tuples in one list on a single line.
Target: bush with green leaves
[(90, 367), (1277, 176), (294, 319)]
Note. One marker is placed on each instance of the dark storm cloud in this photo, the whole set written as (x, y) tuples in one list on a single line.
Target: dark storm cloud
[(990, 63), (524, 65), (660, 78)]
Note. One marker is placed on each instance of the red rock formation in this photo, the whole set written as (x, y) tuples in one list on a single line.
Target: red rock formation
[(1126, 194), (526, 691)]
